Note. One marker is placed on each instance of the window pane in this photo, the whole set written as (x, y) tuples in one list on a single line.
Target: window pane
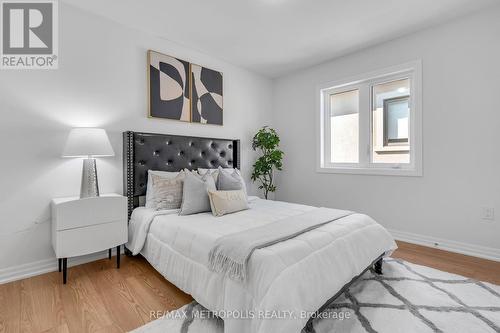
[(396, 119), (344, 117), (391, 122)]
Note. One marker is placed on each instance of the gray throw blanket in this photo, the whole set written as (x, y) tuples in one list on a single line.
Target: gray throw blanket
[(231, 253)]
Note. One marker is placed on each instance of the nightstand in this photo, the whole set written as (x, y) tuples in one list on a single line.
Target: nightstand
[(85, 226)]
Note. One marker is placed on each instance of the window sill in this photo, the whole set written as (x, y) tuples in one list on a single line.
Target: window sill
[(371, 171), (392, 149)]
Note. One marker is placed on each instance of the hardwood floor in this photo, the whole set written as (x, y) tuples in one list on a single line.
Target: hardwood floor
[(472, 267), (97, 298), (100, 298)]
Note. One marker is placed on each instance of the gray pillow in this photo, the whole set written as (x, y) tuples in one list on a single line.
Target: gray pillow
[(230, 180), (195, 193)]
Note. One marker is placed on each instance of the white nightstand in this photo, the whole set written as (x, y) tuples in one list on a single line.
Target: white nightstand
[(84, 226)]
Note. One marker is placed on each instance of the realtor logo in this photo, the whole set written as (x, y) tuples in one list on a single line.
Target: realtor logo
[(29, 34)]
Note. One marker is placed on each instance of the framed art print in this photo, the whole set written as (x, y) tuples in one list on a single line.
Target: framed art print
[(206, 95), (183, 91), (168, 87)]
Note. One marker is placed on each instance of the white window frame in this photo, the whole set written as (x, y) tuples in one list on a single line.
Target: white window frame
[(363, 82)]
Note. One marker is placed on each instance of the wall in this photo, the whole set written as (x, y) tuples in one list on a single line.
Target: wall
[(101, 81), (461, 133)]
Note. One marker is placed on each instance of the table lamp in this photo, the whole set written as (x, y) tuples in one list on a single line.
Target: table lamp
[(88, 143)]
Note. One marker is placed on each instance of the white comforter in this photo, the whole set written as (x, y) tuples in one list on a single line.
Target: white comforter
[(286, 282)]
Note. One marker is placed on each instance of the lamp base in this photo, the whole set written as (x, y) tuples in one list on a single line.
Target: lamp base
[(90, 186)]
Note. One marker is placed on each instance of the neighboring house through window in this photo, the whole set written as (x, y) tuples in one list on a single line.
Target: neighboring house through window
[(371, 124)]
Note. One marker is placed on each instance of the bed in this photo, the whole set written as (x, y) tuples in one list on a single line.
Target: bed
[(288, 282)]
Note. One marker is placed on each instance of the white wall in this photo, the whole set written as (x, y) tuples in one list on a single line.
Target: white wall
[(101, 81), (461, 111)]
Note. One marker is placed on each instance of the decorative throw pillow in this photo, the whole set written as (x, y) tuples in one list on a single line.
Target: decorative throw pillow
[(167, 192), (195, 193), (150, 199), (230, 180), (213, 172), (226, 202)]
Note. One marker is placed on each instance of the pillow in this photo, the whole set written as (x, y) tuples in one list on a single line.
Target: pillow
[(167, 192), (213, 172), (226, 202), (150, 200), (195, 193), (230, 180)]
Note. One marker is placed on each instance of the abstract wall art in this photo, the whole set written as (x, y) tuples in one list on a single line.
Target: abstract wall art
[(168, 87), (183, 91), (206, 95)]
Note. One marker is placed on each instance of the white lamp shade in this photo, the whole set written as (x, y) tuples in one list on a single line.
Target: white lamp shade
[(83, 142)]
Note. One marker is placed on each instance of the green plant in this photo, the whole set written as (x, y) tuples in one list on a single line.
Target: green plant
[(267, 142)]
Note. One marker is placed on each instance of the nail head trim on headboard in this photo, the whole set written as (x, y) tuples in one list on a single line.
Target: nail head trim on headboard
[(165, 152)]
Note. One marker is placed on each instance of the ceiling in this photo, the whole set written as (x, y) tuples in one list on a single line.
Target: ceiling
[(276, 37)]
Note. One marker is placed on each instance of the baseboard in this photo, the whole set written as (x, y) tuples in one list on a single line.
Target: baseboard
[(448, 245), (45, 266), (50, 265)]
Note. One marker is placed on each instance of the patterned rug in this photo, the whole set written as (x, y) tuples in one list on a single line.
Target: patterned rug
[(407, 298)]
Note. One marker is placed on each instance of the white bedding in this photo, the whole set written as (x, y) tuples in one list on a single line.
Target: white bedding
[(288, 279)]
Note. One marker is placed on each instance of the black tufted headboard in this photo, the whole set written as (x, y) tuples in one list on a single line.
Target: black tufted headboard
[(164, 152)]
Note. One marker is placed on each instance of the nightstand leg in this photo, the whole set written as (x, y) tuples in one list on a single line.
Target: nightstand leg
[(109, 254), (60, 264), (65, 270), (118, 256)]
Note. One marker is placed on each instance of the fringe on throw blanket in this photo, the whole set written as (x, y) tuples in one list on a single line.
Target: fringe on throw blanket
[(220, 263)]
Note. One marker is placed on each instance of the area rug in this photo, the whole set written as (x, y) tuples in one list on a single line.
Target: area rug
[(406, 298)]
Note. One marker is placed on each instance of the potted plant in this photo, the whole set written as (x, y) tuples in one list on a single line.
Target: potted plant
[(267, 141)]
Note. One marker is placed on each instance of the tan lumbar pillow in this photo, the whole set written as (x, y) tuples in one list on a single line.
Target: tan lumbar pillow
[(226, 202)]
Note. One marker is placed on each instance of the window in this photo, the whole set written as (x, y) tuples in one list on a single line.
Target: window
[(396, 113), (371, 124), (344, 122), (390, 120)]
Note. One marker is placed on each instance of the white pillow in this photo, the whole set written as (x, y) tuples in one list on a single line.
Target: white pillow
[(150, 199)]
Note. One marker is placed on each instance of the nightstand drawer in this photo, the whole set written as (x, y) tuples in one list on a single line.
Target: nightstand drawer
[(90, 211), (95, 238)]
